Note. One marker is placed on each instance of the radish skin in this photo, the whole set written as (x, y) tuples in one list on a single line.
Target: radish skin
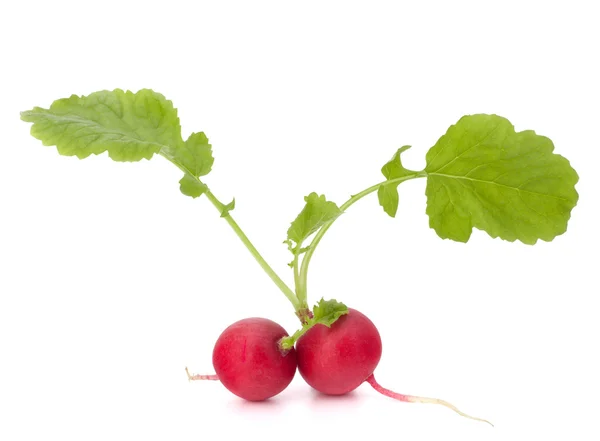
[(249, 362), (338, 359)]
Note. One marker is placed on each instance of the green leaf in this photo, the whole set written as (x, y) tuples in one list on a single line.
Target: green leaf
[(326, 312), (190, 186), (196, 155), (227, 208), (388, 198), (483, 174), (130, 126), (316, 213), (388, 193)]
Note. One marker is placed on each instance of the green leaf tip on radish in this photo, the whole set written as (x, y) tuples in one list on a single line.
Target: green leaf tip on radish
[(325, 312)]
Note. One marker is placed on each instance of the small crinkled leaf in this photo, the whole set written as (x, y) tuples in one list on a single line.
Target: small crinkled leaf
[(129, 126), (326, 312), (483, 174), (291, 247), (190, 186), (388, 193), (227, 208), (195, 155), (316, 213)]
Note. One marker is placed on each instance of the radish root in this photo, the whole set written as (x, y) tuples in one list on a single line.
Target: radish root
[(412, 399), (200, 377)]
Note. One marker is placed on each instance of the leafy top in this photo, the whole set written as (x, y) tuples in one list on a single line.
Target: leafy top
[(483, 174), (130, 126), (480, 174)]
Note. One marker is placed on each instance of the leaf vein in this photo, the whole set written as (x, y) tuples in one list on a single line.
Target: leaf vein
[(500, 185), (470, 148)]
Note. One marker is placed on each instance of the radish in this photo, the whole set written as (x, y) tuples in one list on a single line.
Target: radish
[(336, 360), (480, 174), (249, 362)]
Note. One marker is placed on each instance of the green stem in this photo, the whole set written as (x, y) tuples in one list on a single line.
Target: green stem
[(287, 343), (296, 268), (355, 198), (261, 261), (242, 236)]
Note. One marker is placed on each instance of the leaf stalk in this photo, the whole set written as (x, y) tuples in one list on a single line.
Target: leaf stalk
[(225, 214), (353, 199)]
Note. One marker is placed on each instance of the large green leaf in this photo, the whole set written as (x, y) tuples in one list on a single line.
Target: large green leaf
[(483, 174), (130, 126)]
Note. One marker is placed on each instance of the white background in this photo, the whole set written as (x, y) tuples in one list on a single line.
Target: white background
[(111, 281)]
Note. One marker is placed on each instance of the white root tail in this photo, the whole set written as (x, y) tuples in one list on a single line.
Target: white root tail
[(193, 377), (413, 399)]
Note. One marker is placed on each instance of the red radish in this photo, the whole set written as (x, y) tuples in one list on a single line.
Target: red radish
[(336, 360), (248, 360)]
